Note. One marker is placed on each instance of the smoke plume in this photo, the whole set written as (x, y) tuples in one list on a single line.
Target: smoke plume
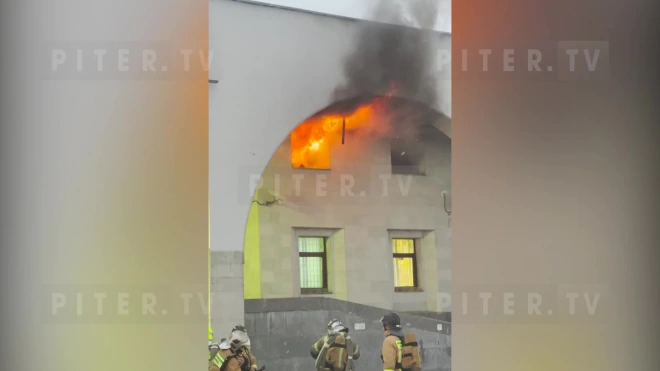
[(386, 55), (390, 87)]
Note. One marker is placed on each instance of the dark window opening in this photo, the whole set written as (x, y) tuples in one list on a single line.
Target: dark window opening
[(407, 157)]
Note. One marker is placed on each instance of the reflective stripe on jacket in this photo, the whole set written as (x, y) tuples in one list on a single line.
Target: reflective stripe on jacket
[(316, 348), (220, 358)]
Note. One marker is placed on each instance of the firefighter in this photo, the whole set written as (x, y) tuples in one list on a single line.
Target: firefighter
[(335, 327), (318, 345), (240, 342), (391, 353), (225, 359)]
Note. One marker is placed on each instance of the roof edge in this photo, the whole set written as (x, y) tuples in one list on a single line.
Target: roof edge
[(283, 7)]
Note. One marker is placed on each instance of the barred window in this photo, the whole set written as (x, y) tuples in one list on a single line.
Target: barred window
[(313, 265), (405, 264)]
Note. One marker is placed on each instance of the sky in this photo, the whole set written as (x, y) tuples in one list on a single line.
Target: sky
[(357, 9)]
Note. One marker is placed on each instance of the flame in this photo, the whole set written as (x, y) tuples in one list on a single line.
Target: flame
[(311, 140)]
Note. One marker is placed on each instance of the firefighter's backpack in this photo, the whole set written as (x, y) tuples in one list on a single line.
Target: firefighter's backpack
[(339, 348), (226, 362), (411, 360)]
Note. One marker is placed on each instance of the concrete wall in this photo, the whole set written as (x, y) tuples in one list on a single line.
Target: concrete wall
[(274, 66), (282, 333), (359, 227)]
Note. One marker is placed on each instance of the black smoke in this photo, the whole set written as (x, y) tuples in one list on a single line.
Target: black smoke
[(389, 55)]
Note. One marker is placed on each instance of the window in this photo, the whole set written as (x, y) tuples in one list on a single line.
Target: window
[(310, 146), (313, 265), (407, 157), (312, 140), (405, 264)]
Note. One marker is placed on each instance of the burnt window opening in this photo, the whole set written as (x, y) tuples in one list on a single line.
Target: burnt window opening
[(314, 153), (314, 139), (317, 157), (407, 157), (308, 152)]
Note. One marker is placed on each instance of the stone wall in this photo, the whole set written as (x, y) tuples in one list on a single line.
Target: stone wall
[(226, 291), (359, 224), (282, 332)]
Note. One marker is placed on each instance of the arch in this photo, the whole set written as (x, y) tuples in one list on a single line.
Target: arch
[(442, 123)]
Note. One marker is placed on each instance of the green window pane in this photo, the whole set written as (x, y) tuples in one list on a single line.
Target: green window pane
[(403, 272), (311, 273), (403, 246), (311, 244)]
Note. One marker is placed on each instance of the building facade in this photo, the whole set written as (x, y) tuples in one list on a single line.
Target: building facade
[(364, 231), (280, 66)]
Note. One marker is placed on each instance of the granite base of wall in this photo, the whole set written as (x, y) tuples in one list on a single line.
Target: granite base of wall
[(283, 331), (227, 308)]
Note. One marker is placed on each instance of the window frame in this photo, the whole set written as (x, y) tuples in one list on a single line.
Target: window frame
[(412, 255), (324, 258)]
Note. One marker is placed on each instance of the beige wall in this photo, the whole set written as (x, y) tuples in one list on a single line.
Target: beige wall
[(359, 227)]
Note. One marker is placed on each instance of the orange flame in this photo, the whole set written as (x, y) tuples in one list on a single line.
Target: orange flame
[(311, 140)]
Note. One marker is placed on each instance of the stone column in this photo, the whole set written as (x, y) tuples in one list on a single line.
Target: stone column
[(227, 305)]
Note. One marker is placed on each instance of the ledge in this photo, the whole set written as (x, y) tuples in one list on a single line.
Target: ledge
[(408, 289), (315, 292)]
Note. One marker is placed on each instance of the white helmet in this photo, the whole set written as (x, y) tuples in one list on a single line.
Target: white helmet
[(335, 327), (224, 345), (238, 339)]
